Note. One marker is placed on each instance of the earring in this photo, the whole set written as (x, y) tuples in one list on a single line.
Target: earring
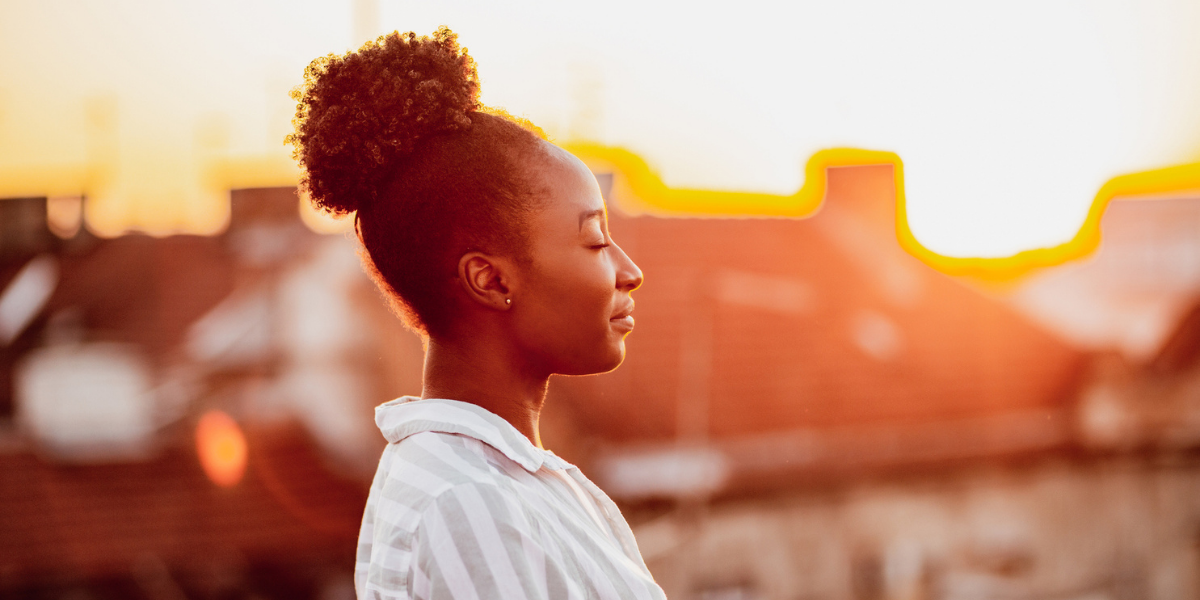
[(508, 301)]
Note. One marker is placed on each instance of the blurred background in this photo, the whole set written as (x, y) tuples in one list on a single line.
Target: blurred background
[(958, 360)]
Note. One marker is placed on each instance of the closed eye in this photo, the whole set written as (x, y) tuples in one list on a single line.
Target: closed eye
[(593, 234)]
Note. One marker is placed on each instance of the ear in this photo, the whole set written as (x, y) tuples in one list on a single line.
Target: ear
[(486, 279)]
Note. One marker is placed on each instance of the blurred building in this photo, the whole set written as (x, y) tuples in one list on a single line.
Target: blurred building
[(113, 350), (795, 348), (806, 411)]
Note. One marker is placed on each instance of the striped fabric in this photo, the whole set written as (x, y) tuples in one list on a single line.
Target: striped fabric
[(463, 506)]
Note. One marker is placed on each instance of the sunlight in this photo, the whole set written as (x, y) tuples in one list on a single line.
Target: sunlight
[(221, 446), (1011, 121)]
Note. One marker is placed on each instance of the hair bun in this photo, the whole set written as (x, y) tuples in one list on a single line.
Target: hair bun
[(360, 113)]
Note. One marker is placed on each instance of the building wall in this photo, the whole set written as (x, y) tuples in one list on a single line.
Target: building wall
[(1118, 527)]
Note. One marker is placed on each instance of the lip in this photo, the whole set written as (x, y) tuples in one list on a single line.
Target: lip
[(622, 323), (624, 312), (623, 318)]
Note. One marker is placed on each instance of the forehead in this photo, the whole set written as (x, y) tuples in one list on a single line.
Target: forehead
[(571, 188)]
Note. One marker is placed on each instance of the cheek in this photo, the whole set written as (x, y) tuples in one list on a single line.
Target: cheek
[(579, 339), (574, 301), (582, 296), (566, 321)]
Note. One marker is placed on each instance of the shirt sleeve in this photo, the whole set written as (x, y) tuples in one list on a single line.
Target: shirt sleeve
[(475, 541)]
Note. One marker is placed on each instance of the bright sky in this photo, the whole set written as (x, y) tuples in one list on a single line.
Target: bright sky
[(1008, 116)]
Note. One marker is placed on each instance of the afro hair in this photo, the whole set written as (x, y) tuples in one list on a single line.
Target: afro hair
[(359, 113)]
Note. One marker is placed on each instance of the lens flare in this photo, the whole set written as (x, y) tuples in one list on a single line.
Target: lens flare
[(221, 446)]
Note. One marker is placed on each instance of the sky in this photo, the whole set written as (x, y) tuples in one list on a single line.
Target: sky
[(1009, 117)]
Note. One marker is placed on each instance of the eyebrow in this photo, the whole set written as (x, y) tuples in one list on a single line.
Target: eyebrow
[(590, 214)]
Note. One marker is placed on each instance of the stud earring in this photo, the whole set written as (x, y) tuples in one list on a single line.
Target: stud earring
[(508, 301)]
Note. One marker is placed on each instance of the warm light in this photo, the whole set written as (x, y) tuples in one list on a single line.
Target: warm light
[(222, 448), (1009, 149), (642, 191), (64, 215), (321, 221)]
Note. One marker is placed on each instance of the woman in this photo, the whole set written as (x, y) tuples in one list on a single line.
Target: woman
[(493, 244)]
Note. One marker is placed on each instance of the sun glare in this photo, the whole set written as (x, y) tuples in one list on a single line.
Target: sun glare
[(221, 446), (322, 222), (1007, 147)]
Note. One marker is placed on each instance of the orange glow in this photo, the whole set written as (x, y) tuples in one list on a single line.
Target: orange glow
[(222, 448), (64, 215), (641, 191), (322, 222), (1174, 180)]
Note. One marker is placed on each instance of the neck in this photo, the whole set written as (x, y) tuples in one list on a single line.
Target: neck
[(488, 376)]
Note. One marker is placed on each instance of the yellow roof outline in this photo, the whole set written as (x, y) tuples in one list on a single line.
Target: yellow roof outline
[(653, 197)]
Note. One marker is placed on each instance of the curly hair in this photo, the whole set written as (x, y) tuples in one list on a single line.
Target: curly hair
[(394, 133)]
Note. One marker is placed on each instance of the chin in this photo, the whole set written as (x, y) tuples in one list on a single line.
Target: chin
[(615, 362), (603, 362)]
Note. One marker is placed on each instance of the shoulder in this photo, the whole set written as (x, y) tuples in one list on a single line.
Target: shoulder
[(435, 492), (442, 487), (428, 466)]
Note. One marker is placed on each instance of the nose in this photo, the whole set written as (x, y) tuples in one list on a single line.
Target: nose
[(629, 276)]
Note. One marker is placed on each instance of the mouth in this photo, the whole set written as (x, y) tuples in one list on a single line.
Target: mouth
[(623, 319)]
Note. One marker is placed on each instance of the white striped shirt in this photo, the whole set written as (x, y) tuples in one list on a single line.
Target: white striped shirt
[(463, 506)]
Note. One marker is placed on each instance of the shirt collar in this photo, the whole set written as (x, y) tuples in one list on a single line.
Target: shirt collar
[(409, 415)]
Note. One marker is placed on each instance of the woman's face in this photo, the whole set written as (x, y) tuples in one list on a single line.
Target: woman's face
[(572, 311)]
